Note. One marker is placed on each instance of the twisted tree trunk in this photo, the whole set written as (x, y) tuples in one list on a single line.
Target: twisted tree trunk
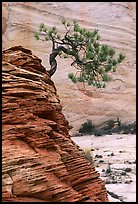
[(52, 58)]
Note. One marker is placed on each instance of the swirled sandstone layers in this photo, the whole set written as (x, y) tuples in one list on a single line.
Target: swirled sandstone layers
[(40, 162)]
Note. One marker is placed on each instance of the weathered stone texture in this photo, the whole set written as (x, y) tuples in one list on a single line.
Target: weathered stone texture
[(40, 162)]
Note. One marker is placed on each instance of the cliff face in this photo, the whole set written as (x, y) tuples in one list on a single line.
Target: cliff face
[(40, 162), (116, 22)]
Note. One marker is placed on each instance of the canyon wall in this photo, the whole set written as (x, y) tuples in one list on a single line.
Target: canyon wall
[(116, 22), (40, 162)]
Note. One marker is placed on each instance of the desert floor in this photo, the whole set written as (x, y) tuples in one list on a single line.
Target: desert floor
[(114, 157)]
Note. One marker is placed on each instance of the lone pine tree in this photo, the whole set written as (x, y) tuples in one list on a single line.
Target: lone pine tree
[(93, 61)]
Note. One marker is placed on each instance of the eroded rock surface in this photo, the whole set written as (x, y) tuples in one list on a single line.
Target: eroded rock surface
[(40, 162)]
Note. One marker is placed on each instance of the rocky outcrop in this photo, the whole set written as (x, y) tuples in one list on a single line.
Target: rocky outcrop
[(40, 162), (116, 22)]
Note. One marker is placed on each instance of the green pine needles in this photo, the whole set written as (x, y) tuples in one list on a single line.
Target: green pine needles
[(93, 61)]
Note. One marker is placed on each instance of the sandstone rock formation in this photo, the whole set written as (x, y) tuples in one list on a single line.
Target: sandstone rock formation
[(116, 22), (40, 162)]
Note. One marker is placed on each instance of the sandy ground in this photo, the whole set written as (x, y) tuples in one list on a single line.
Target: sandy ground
[(115, 159)]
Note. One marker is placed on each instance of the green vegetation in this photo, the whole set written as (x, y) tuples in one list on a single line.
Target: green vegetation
[(95, 62), (87, 127), (113, 126)]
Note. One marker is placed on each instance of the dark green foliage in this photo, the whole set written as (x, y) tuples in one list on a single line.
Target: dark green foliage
[(110, 124), (92, 59), (105, 77), (113, 126), (129, 129), (87, 127), (72, 77), (36, 35)]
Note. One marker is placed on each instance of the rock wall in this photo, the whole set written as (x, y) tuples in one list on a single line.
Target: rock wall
[(116, 22), (40, 162)]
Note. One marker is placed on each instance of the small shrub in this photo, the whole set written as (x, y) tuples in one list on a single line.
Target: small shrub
[(110, 124), (98, 133), (87, 127)]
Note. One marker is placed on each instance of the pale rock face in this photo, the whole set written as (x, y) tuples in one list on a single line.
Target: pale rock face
[(116, 22)]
